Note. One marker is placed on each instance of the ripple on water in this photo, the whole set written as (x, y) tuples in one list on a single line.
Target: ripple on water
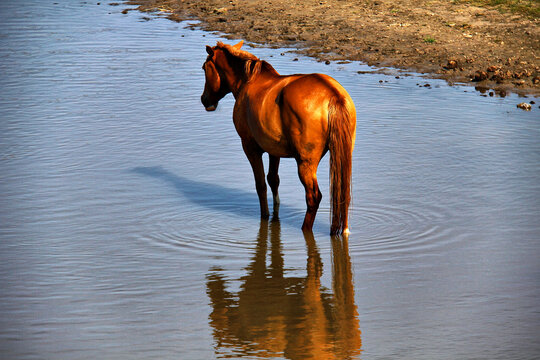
[(175, 230), (407, 227), (387, 230)]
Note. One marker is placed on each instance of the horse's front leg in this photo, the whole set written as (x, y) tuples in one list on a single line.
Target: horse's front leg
[(273, 181), (254, 155)]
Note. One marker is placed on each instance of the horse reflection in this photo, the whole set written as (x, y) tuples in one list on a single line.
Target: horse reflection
[(294, 317)]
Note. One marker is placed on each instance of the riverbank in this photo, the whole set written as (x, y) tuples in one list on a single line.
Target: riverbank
[(451, 40)]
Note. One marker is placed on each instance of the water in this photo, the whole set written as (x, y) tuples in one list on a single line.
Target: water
[(129, 223)]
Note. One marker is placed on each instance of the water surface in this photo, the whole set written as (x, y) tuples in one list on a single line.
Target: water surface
[(129, 223)]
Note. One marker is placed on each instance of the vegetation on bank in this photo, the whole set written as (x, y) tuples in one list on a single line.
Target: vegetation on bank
[(530, 8)]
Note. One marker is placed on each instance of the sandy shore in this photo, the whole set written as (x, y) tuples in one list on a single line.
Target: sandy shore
[(443, 39)]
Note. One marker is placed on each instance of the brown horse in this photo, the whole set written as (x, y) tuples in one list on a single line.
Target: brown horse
[(300, 116)]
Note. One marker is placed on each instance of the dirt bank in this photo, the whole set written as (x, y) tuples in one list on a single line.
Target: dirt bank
[(445, 39)]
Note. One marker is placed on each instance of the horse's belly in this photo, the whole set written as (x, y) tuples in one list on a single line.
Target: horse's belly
[(275, 148), (270, 137)]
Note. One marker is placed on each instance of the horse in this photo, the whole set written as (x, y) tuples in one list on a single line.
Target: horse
[(300, 116)]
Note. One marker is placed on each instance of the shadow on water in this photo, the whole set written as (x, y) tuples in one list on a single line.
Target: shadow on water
[(221, 198), (213, 196), (291, 317)]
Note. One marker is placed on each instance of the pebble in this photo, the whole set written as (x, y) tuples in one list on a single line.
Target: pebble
[(524, 106), (479, 76), (452, 64), (220, 10)]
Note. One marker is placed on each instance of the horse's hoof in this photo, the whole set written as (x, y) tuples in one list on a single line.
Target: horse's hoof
[(336, 231)]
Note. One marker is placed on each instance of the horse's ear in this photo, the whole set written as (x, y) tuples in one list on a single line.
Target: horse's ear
[(209, 50), (239, 45)]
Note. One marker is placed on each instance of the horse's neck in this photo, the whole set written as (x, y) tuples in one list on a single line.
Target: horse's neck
[(245, 72), (235, 79)]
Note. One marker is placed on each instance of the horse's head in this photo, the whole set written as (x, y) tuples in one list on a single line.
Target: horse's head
[(216, 86)]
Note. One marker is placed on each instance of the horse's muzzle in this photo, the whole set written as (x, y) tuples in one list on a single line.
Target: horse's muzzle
[(207, 105)]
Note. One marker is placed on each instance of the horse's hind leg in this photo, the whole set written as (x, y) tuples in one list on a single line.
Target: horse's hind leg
[(254, 155), (307, 172), (273, 181)]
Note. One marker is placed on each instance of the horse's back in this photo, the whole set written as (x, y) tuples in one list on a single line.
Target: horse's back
[(316, 85), (309, 95)]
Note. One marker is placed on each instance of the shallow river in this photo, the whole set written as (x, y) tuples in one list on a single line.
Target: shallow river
[(129, 224)]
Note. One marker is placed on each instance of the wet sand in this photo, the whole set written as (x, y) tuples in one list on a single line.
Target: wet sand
[(442, 39)]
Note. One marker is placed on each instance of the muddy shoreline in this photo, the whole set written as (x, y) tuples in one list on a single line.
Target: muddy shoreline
[(441, 39)]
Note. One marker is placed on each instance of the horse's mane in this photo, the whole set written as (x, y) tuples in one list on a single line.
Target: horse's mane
[(239, 53), (252, 65)]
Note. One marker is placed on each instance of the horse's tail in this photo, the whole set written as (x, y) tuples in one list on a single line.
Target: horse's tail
[(342, 123)]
